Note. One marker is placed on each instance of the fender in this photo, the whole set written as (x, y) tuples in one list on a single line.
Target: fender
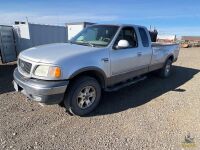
[(97, 71)]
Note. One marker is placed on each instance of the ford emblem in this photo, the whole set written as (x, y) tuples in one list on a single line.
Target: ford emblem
[(22, 65)]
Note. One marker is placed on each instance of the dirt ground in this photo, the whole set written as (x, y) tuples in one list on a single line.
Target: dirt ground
[(153, 114)]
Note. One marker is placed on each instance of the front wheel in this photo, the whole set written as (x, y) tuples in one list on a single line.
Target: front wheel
[(83, 96), (166, 70)]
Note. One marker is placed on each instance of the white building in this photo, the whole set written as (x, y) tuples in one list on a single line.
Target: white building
[(166, 38), (75, 27)]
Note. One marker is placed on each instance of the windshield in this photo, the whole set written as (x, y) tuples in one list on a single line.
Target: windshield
[(97, 35)]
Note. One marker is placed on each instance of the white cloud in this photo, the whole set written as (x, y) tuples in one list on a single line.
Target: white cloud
[(9, 18), (173, 16)]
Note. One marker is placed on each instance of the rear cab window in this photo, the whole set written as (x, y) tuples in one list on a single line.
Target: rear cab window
[(144, 37)]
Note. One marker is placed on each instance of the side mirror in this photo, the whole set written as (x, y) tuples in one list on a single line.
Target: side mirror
[(122, 44)]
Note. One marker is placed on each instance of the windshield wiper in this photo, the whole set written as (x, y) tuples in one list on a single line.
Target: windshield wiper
[(83, 43), (92, 45)]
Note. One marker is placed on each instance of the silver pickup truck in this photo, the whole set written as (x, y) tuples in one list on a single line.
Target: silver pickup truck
[(101, 57)]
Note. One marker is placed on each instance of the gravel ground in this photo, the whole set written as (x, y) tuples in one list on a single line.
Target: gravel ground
[(153, 114)]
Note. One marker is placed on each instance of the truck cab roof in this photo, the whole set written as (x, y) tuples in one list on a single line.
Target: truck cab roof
[(120, 25)]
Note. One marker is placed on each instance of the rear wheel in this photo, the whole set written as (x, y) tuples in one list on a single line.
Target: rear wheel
[(83, 96), (166, 70)]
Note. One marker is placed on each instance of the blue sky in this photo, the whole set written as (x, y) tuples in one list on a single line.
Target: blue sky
[(178, 17)]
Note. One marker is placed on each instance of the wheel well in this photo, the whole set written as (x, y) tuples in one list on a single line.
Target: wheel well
[(171, 57), (91, 73)]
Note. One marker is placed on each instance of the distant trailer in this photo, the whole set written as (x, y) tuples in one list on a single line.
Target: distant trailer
[(23, 35), (30, 35), (7, 44)]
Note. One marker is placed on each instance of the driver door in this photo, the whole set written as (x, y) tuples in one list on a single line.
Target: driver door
[(125, 61)]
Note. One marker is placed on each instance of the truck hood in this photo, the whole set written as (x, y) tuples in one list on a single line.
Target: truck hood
[(52, 53)]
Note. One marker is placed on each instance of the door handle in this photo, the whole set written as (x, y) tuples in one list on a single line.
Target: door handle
[(139, 53), (105, 59)]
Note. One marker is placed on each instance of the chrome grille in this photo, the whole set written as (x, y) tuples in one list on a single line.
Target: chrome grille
[(25, 66)]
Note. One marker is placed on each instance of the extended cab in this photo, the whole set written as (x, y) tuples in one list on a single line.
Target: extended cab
[(101, 57)]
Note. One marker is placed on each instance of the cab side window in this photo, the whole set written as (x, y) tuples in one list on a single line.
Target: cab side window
[(144, 37), (129, 34)]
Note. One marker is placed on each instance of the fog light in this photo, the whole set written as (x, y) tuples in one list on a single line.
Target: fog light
[(37, 98)]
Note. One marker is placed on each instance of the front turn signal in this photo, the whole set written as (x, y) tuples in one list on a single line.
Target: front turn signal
[(55, 72)]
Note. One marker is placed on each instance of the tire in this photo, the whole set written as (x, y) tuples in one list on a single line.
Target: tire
[(166, 70), (83, 96)]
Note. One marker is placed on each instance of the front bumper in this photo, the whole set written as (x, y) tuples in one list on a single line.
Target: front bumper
[(48, 92)]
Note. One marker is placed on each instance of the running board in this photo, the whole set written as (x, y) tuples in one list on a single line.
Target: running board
[(122, 85)]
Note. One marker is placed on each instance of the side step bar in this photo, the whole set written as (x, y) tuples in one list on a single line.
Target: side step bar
[(122, 85)]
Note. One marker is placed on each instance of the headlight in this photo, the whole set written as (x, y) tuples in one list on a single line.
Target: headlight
[(48, 71), (42, 71)]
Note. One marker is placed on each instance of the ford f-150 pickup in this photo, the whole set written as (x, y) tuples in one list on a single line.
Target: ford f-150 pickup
[(101, 57)]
